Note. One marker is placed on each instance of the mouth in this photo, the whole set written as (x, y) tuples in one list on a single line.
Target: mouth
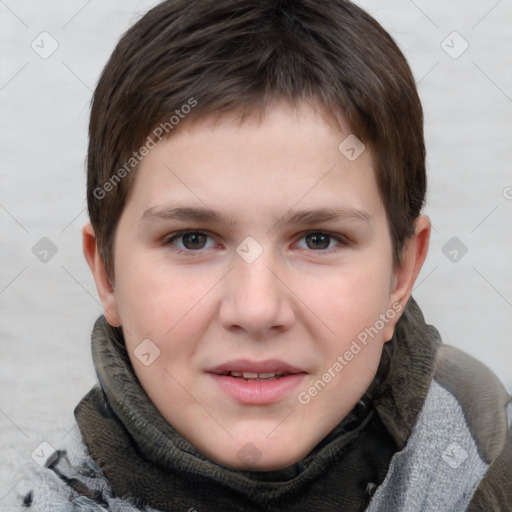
[(257, 383), (256, 370), (255, 376)]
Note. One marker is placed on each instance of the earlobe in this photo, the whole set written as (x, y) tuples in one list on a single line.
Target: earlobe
[(413, 256), (100, 274)]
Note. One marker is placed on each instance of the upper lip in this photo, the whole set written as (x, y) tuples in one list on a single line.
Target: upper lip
[(246, 365)]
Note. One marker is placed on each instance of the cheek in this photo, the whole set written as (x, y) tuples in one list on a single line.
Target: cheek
[(346, 300), (165, 305), (349, 337), (156, 300)]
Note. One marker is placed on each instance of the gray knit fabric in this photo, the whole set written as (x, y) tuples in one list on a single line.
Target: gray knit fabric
[(439, 469), (52, 494)]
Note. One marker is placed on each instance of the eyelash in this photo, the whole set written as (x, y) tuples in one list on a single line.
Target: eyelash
[(342, 241)]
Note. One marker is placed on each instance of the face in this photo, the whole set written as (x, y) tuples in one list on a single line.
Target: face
[(254, 248)]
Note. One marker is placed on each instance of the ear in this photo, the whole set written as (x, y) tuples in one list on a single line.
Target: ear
[(413, 256), (103, 283)]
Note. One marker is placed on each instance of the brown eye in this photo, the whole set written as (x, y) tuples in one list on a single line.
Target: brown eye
[(318, 240), (191, 241)]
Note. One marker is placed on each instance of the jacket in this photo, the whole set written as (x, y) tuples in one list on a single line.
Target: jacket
[(431, 434)]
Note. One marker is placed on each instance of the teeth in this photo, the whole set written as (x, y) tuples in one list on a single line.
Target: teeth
[(266, 375), (249, 375), (255, 375)]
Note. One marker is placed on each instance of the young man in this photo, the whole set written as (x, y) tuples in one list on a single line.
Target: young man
[(256, 174)]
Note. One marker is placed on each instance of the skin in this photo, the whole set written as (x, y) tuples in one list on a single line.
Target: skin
[(299, 301)]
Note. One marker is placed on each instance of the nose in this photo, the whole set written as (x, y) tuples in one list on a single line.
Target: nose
[(256, 299)]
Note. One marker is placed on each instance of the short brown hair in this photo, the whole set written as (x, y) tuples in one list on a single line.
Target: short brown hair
[(237, 55)]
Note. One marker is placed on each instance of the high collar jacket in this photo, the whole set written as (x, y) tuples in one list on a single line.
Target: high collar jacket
[(432, 433)]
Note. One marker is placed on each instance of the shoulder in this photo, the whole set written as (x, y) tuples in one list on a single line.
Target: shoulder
[(482, 397), (487, 409), (53, 482), (70, 481)]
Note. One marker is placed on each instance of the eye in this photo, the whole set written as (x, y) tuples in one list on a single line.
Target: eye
[(190, 241), (319, 240)]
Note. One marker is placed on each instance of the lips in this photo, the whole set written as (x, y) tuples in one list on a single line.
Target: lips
[(257, 382), (258, 391), (247, 369)]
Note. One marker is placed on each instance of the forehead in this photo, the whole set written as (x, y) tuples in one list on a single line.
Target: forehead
[(287, 156)]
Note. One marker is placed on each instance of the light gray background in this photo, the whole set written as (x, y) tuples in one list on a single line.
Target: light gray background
[(48, 309)]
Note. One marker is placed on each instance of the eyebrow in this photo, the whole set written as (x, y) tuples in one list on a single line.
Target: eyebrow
[(186, 213), (323, 215), (207, 215)]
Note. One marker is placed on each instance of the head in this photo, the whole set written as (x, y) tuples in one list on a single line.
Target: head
[(256, 173)]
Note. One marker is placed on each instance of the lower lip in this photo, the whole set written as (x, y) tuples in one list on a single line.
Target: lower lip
[(258, 392)]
